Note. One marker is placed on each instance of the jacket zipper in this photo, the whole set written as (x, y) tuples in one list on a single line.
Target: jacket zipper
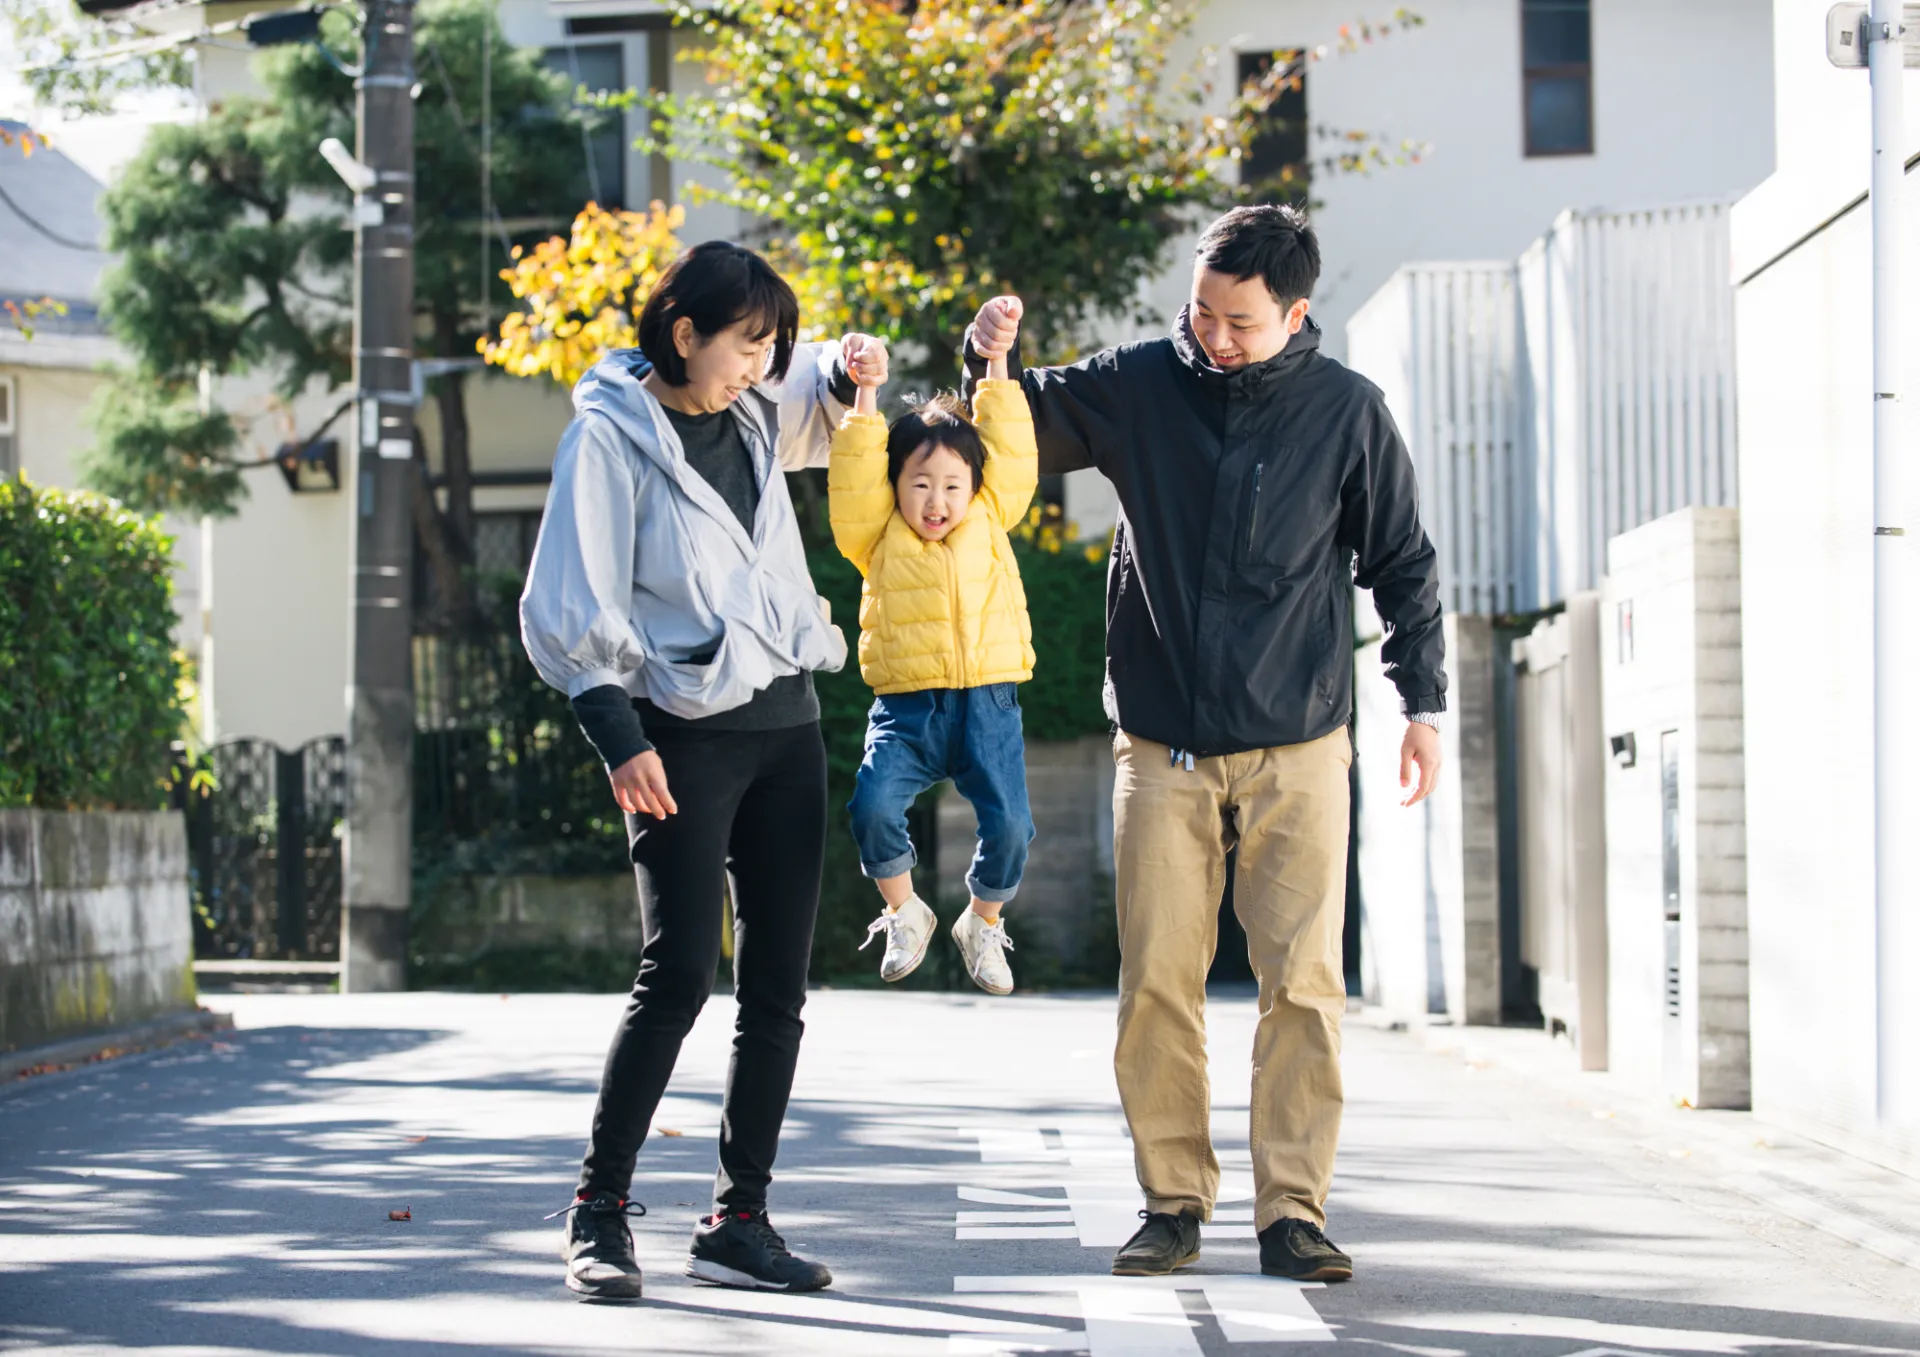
[(1253, 514), (959, 635)]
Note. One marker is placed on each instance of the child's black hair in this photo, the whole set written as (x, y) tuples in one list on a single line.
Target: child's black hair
[(942, 421)]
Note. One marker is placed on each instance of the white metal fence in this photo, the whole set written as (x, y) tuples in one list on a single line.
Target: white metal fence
[(1553, 403)]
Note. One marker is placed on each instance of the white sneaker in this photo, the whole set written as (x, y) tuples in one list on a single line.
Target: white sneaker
[(984, 947), (909, 929)]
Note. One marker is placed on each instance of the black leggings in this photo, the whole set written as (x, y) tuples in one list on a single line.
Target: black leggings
[(753, 806)]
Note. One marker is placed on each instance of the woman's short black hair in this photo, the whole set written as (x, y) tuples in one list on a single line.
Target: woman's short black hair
[(1273, 243), (714, 285), (943, 422)]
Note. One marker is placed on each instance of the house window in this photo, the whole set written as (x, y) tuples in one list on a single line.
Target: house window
[(1277, 164), (9, 459), (1556, 43), (599, 68)]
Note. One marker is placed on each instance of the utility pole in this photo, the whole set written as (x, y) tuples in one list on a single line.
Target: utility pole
[(1896, 928), (378, 855)]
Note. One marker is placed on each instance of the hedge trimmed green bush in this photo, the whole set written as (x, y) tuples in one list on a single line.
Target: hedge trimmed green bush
[(89, 678)]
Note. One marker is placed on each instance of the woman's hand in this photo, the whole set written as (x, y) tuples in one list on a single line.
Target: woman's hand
[(640, 786), (865, 357), (995, 331)]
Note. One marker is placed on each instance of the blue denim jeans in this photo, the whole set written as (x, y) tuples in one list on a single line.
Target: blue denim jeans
[(915, 740)]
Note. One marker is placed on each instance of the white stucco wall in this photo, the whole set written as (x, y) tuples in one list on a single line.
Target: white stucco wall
[(1803, 334)]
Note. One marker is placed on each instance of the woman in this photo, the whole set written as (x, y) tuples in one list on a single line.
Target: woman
[(669, 598)]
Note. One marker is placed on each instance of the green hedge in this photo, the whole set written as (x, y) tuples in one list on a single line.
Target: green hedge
[(89, 678)]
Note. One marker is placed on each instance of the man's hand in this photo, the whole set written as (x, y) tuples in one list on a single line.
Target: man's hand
[(1421, 746), (995, 331), (865, 358), (640, 786)]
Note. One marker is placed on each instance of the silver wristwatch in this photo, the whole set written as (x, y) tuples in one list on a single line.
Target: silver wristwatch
[(1425, 718)]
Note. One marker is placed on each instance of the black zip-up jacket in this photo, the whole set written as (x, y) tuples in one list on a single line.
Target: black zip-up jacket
[(1250, 504)]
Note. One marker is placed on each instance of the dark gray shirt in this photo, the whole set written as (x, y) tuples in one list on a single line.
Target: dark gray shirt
[(617, 725)]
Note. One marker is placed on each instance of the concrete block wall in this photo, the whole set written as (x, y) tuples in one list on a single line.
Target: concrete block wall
[(1066, 898), (1429, 875), (96, 928), (1671, 662), (488, 913)]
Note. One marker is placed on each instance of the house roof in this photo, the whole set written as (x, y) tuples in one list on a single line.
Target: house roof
[(50, 232)]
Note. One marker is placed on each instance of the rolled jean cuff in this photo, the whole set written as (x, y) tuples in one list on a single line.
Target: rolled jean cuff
[(880, 871), (993, 895)]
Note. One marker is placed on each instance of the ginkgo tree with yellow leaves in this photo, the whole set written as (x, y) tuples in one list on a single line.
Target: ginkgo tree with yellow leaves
[(902, 162), (583, 292)]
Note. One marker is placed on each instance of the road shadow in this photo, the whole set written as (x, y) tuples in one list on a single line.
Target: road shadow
[(233, 1197)]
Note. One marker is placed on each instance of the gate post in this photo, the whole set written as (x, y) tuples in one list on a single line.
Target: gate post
[(290, 848)]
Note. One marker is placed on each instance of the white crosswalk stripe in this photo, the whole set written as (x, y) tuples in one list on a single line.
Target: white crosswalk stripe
[(1074, 1180), (1144, 1317)]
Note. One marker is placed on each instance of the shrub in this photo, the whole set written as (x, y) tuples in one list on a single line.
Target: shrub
[(89, 678)]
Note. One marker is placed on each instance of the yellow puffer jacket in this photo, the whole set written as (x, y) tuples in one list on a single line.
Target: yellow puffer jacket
[(948, 614)]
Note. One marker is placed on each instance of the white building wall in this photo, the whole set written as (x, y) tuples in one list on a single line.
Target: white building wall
[(1670, 664), (1803, 312)]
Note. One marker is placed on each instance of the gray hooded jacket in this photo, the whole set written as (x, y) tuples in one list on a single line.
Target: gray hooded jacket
[(640, 565)]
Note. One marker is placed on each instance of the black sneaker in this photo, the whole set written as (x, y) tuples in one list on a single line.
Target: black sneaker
[(599, 1247), (741, 1248), (1164, 1243), (1297, 1249)]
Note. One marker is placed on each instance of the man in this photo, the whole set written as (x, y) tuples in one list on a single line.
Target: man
[(1258, 481)]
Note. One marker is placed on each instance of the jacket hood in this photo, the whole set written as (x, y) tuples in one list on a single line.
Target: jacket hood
[(1290, 359), (611, 389)]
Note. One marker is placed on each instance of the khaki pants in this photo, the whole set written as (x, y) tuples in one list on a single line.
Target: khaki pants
[(1287, 809)]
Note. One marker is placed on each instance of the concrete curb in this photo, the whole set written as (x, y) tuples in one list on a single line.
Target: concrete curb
[(17, 1066)]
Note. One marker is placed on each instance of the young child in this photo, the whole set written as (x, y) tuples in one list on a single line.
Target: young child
[(923, 508)]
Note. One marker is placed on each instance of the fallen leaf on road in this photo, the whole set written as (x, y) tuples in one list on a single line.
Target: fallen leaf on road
[(404, 1213), (675, 1134)]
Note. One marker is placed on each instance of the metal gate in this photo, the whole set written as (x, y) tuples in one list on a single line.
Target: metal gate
[(1562, 823), (264, 844)]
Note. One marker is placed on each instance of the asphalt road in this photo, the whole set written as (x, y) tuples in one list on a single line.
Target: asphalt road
[(960, 1163)]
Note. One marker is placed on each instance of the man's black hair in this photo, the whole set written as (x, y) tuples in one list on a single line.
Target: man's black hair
[(942, 422), (1274, 244), (714, 285)]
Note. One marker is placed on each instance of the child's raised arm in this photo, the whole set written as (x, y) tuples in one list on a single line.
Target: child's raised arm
[(859, 496), (996, 331)]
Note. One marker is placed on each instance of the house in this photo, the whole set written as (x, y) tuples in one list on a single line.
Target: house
[(51, 350)]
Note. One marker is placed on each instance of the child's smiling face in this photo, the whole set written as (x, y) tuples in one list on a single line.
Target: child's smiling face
[(934, 489)]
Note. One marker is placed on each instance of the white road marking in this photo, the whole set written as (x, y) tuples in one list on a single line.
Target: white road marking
[(1016, 1232), (1263, 1310), (1136, 1322), (1143, 1317), (1096, 1161), (993, 1196)]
